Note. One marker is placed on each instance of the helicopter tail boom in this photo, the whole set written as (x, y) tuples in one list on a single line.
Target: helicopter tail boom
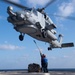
[(63, 45), (59, 44)]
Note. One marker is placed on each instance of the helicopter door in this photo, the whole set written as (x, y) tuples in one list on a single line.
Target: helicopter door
[(41, 20), (34, 16)]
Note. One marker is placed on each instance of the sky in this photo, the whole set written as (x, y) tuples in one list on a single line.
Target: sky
[(16, 54)]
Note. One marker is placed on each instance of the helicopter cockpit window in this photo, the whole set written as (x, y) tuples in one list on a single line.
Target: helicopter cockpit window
[(35, 12)]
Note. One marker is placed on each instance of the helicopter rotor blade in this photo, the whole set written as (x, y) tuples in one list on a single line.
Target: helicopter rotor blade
[(65, 17), (15, 4), (49, 3)]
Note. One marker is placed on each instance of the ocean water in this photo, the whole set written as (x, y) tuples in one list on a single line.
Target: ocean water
[(67, 69)]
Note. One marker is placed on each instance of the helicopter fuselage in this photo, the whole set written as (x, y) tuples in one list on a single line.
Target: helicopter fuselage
[(36, 24)]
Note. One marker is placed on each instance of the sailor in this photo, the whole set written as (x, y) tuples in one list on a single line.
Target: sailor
[(44, 63), (42, 11)]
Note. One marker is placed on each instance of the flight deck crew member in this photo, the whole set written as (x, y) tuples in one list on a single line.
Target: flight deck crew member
[(44, 63)]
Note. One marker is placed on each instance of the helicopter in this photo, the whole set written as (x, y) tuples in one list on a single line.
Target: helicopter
[(35, 23)]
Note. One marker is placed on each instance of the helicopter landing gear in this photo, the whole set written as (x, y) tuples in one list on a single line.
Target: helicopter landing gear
[(44, 33), (21, 37), (49, 48), (38, 25)]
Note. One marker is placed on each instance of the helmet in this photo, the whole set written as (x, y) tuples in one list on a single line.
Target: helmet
[(43, 55)]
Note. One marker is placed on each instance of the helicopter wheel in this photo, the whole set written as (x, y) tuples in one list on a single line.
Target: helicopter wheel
[(44, 34), (38, 25), (49, 48), (21, 37)]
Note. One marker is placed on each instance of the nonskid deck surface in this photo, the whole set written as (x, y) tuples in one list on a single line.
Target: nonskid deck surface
[(25, 73)]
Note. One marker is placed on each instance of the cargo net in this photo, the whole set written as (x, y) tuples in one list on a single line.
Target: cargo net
[(34, 68)]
